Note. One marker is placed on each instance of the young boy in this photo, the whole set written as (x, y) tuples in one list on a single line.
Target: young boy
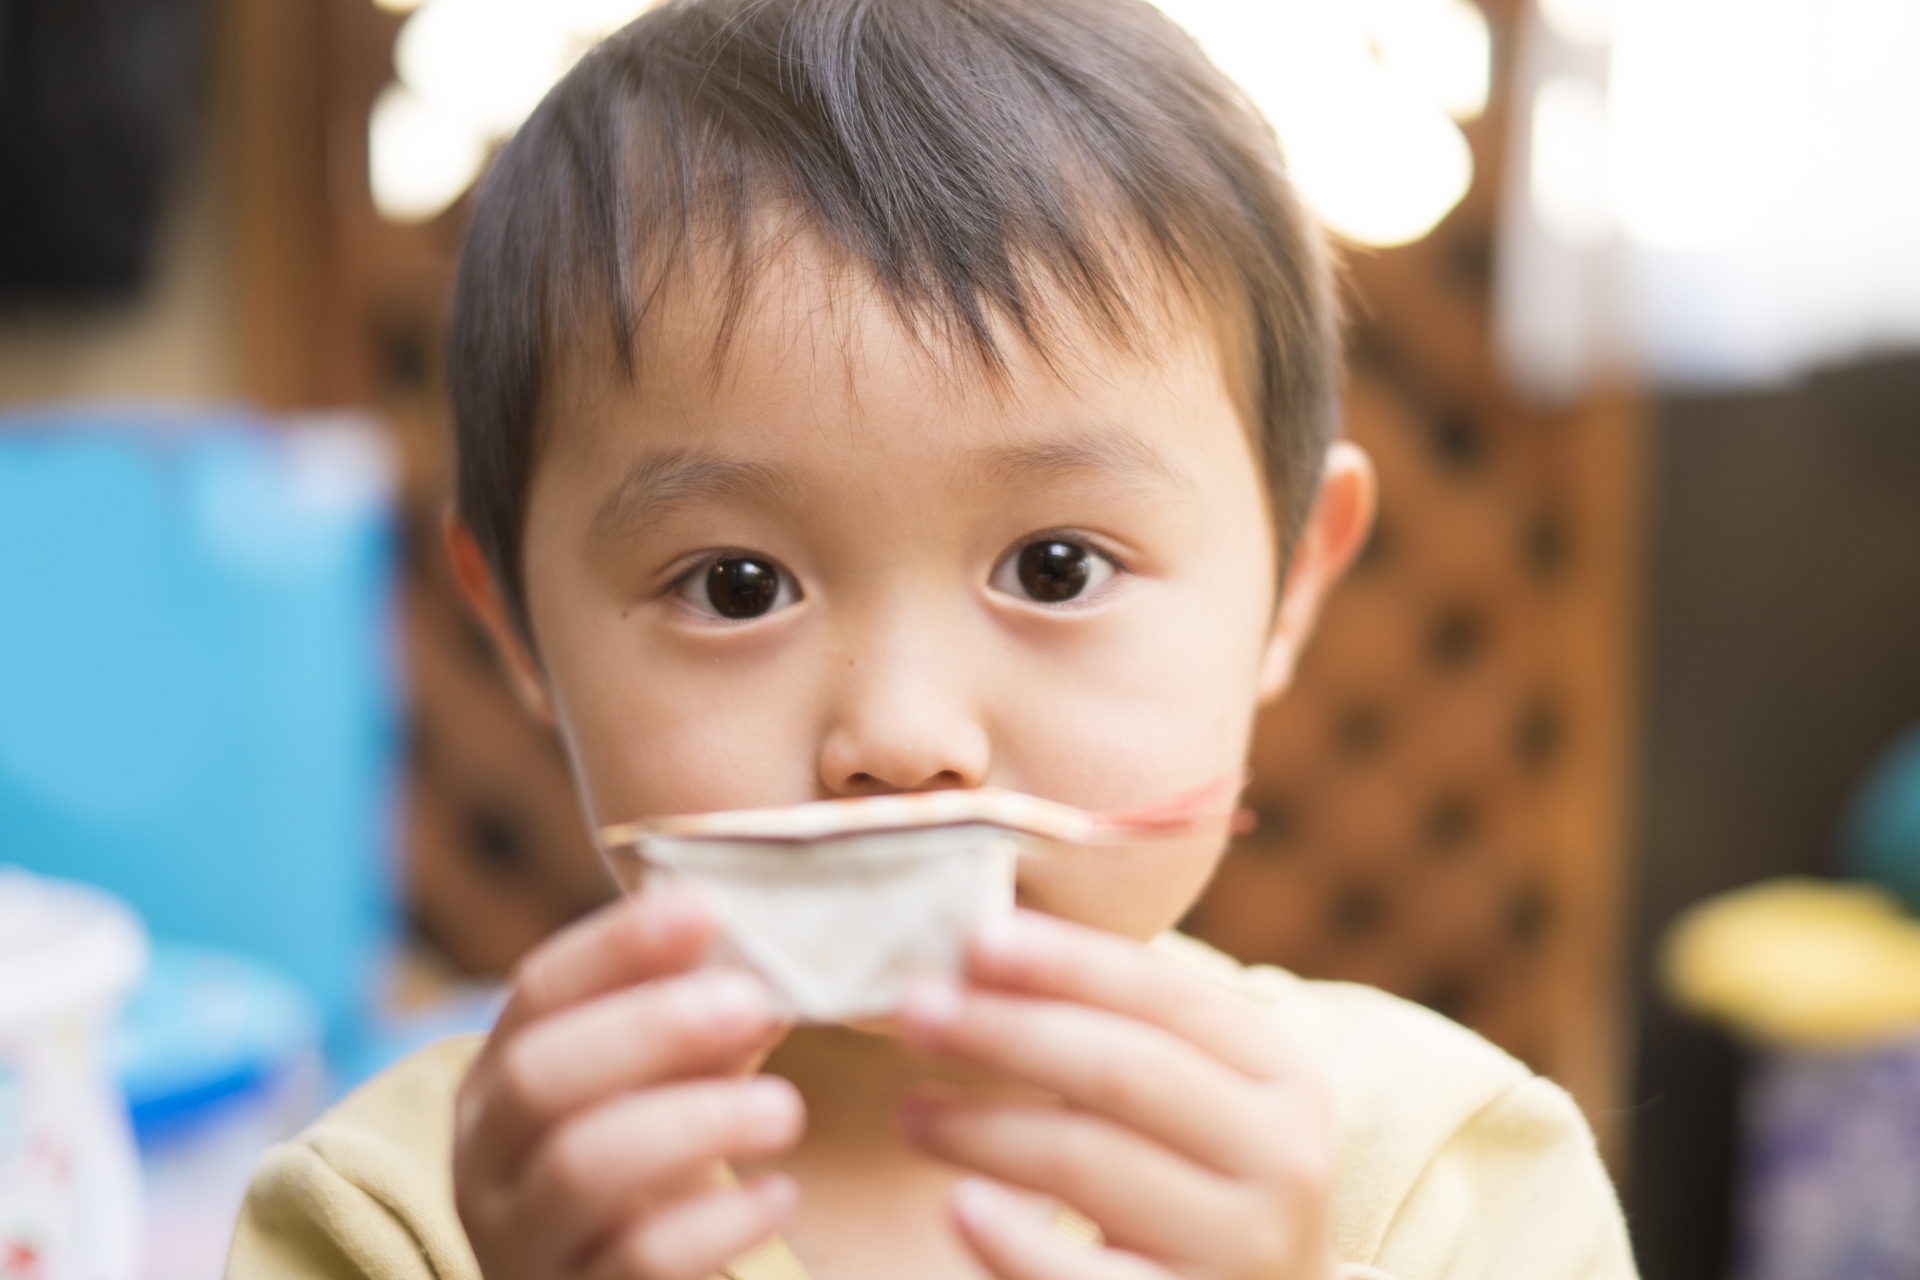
[(862, 396)]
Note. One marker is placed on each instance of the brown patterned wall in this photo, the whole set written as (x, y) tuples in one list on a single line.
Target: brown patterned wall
[(1438, 796), (1442, 796)]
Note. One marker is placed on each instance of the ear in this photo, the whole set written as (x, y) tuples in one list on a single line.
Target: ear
[(483, 596), (1335, 531)]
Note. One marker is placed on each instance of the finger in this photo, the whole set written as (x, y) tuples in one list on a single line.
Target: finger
[(1137, 1074), (643, 1149), (694, 1238), (1017, 1244), (1141, 1195), (1042, 955), (673, 1028), (662, 931)]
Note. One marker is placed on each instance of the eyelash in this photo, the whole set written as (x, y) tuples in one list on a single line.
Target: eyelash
[(1071, 537), (705, 563), (700, 564)]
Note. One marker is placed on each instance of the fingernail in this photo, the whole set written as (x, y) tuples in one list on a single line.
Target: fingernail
[(728, 999), (932, 1005), (772, 1108), (674, 907), (981, 1203), (778, 1192), (997, 938)]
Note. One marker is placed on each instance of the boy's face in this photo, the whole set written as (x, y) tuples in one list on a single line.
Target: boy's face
[(839, 565)]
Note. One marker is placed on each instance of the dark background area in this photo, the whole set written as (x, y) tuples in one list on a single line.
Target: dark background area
[(1782, 657), (97, 100)]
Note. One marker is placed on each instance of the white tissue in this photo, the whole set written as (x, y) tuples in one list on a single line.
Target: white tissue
[(839, 928)]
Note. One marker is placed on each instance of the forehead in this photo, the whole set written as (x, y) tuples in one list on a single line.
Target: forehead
[(811, 343)]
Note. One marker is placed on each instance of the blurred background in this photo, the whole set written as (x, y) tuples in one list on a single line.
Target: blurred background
[(1634, 298)]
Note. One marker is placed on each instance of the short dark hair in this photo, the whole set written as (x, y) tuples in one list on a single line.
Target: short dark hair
[(982, 160)]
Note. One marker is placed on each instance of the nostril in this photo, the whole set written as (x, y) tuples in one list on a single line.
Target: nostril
[(868, 783)]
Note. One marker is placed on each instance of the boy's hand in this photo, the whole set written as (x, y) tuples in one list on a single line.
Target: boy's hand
[(1192, 1134), (590, 1133)]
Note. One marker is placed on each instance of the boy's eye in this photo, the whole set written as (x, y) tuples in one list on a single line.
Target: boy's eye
[(1052, 571), (739, 587)]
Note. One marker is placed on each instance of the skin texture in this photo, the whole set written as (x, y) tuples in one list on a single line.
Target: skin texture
[(894, 484)]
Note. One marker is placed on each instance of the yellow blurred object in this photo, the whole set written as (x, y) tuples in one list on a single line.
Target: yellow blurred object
[(1799, 962)]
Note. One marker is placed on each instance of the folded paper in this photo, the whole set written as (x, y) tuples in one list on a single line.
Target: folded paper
[(841, 905)]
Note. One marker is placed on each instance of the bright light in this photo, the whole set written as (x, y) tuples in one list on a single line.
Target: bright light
[(419, 157), (490, 61), (470, 72), (1385, 171), (1567, 162), (1739, 122), (1358, 91), (1580, 21), (1703, 123), (1748, 169), (1442, 52)]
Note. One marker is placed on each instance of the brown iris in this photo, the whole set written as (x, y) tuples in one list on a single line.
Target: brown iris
[(1054, 571), (742, 588)]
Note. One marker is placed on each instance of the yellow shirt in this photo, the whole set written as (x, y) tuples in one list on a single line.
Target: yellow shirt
[(1454, 1160)]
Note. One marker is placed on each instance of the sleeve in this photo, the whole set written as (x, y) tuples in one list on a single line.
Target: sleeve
[(1456, 1161), (1516, 1190), (303, 1221), (366, 1193)]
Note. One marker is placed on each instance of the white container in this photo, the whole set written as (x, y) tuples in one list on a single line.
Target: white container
[(69, 1177)]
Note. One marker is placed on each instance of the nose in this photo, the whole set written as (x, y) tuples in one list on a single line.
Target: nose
[(903, 718)]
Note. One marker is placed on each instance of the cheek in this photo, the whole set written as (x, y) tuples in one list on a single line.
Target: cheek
[(1162, 704), (1137, 891), (1154, 700), (1177, 716), (651, 735)]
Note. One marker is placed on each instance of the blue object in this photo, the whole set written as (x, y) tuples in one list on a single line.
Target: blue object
[(385, 1041), (205, 1031), (1881, 841), (196, 680)]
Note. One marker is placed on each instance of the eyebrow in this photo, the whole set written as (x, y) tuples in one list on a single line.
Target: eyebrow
[(1103, 452), (655, 487)]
